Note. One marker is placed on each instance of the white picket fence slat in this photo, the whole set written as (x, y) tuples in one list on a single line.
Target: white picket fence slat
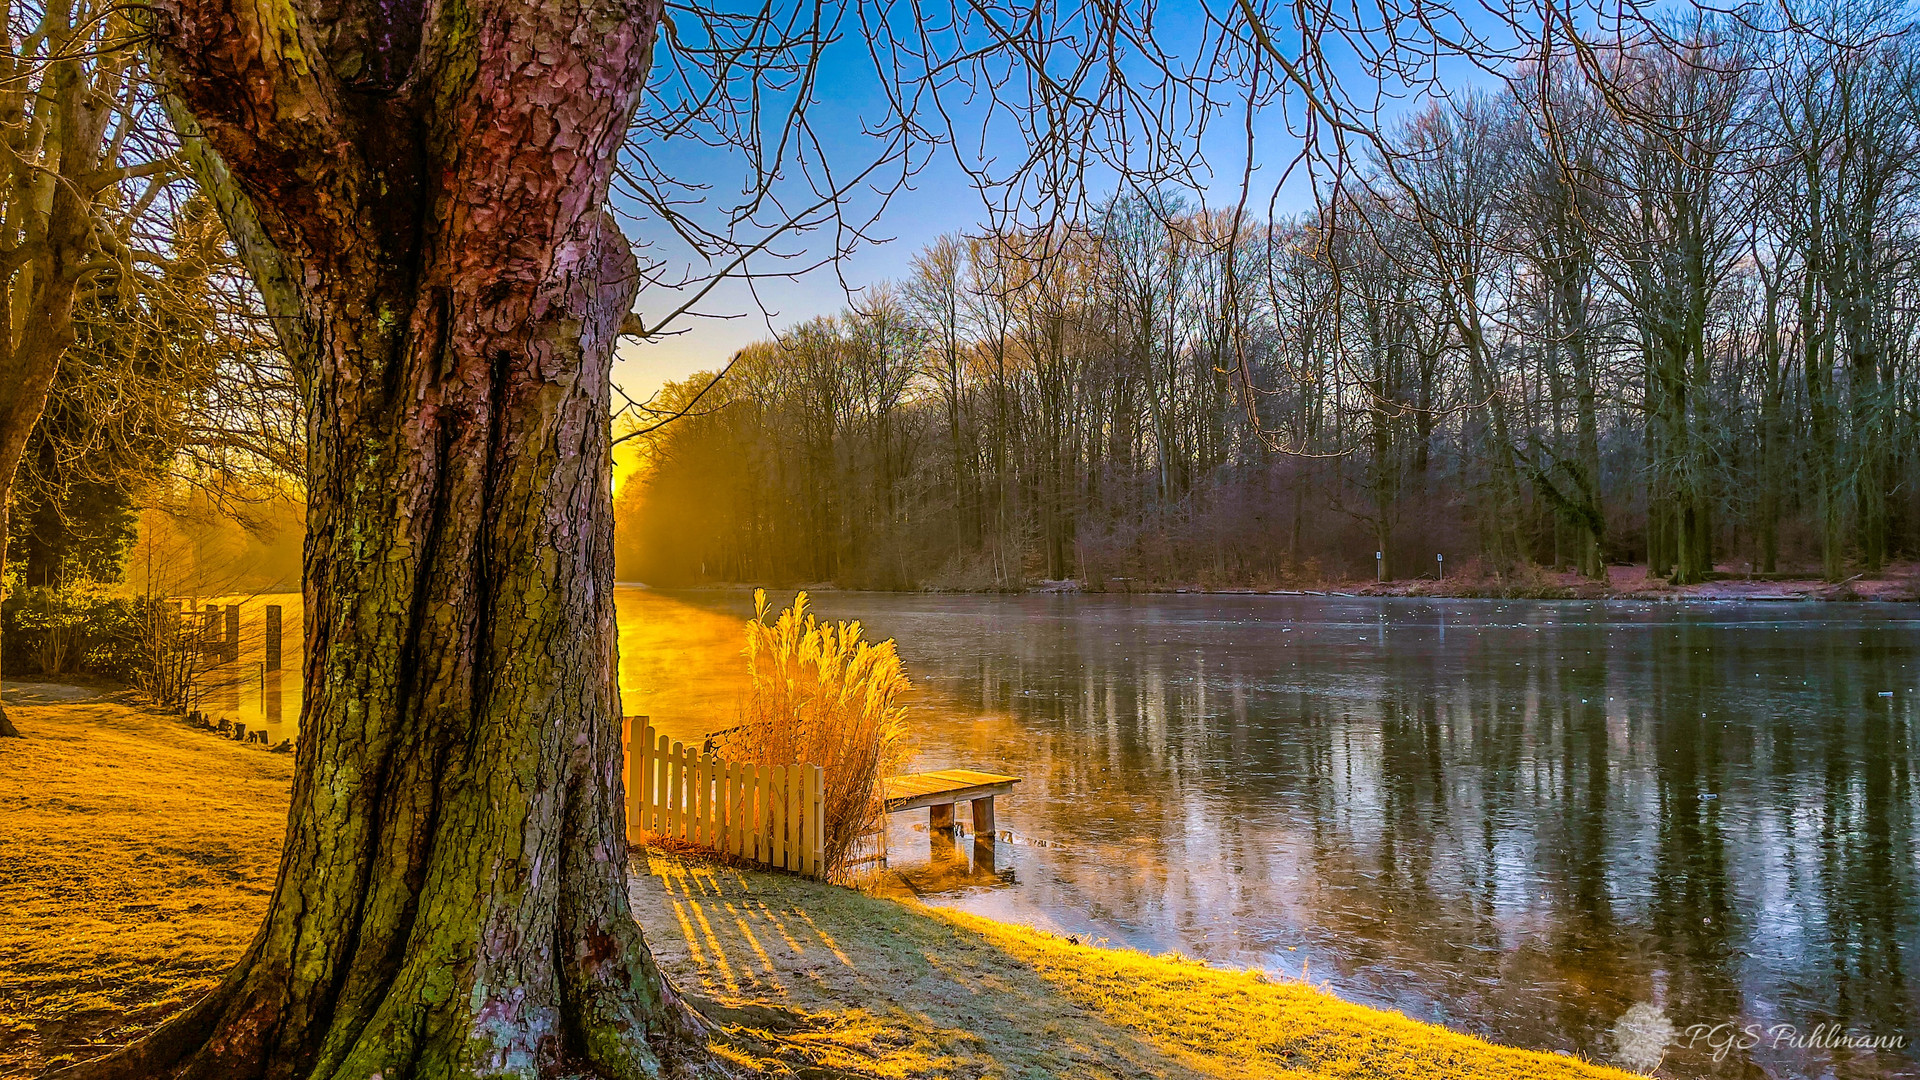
[(771, 816)]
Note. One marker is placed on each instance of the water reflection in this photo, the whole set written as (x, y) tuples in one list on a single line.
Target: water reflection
[(951, 863), (1519, 819), (235, 679)]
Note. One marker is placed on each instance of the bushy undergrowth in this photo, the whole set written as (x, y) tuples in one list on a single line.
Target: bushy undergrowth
[(819, 693), (52, 632)]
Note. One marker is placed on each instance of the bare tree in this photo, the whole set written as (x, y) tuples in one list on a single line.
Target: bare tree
[(1571, 299)]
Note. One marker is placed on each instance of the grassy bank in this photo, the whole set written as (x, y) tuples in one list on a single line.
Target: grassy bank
[(139, 854)]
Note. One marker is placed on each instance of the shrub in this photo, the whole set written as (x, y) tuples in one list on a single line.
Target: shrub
[(819, 694), (167, 655), (53, 631)]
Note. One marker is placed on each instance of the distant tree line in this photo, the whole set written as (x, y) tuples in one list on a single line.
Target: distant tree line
[(1672, 322)]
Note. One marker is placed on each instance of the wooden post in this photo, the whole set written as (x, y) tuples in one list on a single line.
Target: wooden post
[(633, 738), (749, 778), (723, 801), (690, 832), (273, 637), (630, 776), (817, 811), (703, 799), (687, 766), (716, 805), (983, 819), (640, 761), (736, 808), (808, 826), (940, 846), (777, 820), (706, 800), (783, 819), (796, 820), (676, 782), (657, 812), (721, 804), (696, 771), (738, 825), (762, 835)]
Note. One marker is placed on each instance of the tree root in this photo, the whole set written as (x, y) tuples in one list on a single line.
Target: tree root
[(768, 1039), (680, 1046)]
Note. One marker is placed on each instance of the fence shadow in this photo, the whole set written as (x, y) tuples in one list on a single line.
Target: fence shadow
[(894, 991)]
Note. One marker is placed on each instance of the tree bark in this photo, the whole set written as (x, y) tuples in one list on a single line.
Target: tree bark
[(428, 184)]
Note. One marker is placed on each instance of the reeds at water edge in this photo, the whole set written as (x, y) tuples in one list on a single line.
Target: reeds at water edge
[(819, 693)]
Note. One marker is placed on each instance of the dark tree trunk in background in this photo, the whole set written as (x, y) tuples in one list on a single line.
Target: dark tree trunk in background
[(422, 190), (1772, 430), (7, 730), (23, 395)]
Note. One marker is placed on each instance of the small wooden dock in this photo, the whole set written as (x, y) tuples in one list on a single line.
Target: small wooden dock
[(939, 791)]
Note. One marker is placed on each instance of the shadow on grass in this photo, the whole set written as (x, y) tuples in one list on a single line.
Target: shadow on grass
[(893, 989), (893, 992)]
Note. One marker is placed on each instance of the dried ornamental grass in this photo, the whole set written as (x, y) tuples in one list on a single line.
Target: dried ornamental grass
[(819, 694)]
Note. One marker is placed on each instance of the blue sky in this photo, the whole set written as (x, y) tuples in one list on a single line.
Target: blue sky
[(939, 200)]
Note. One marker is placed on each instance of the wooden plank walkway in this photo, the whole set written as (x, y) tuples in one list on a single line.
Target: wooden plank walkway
[(915, 790), (938, 791)]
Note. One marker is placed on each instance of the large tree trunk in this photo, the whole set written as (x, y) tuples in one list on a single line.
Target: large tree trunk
[(429, 196)]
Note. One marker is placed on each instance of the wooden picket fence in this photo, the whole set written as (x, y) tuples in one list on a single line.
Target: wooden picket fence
[(771, 815)]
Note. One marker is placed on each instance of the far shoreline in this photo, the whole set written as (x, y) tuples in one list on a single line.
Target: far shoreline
[(1898, 584)]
